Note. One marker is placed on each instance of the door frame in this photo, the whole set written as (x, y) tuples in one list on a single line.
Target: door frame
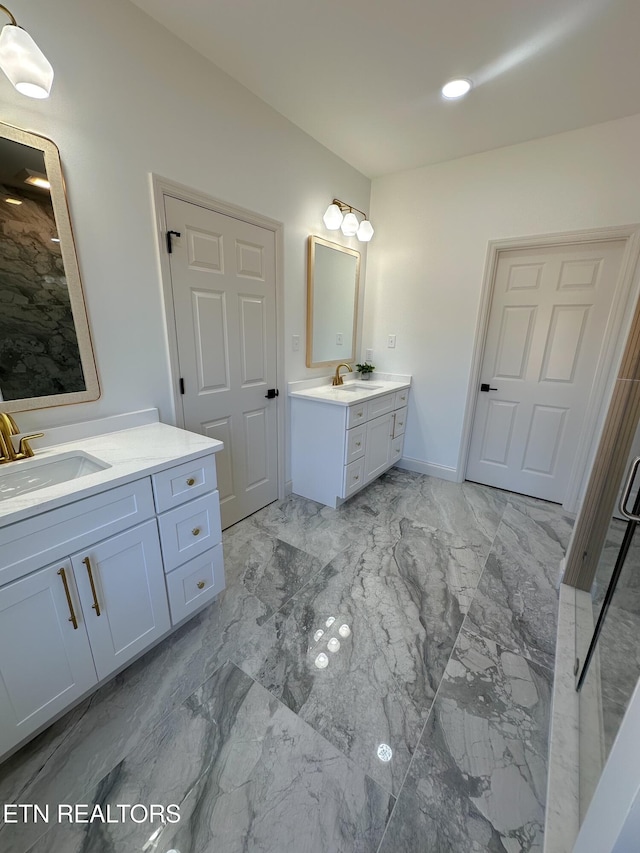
[(620, 317), (161, 187)]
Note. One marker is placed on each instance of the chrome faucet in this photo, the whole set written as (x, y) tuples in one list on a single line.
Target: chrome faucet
[(337, 379), (9, 428)]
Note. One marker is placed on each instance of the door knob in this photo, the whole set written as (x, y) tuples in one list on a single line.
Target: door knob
[(486, 387)]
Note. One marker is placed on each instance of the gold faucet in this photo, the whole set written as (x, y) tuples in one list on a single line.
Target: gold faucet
[(337, 379), (8, 428)]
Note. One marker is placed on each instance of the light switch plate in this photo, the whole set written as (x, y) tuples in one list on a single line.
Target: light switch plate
[(391, 341), (368, 355), (295, 343), (339, 339)]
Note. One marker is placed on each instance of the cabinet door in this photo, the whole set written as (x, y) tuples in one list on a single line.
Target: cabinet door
[(45, 659), (378, 447), (123, 594)]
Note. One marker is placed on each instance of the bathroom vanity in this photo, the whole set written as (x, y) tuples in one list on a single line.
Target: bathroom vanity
[(107, 544), (344, 437)]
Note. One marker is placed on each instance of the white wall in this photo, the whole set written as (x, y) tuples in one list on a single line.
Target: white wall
[(426, 261), (129, 99)]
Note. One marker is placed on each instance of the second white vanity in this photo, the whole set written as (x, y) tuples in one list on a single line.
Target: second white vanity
[(107, 544), (344, 437)]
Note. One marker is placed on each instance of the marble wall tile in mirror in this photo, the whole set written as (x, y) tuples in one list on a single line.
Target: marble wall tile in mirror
[(46, 357), (333, 275)]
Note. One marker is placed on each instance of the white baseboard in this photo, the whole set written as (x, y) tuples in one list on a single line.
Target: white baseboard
[(430, 468)]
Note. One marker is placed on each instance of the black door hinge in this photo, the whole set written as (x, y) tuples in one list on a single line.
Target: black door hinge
[(181, 385), (169, 246)]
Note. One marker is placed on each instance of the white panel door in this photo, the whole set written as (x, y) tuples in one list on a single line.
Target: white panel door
[(224, 296), (45, 659), (546, 328), (124, 599)]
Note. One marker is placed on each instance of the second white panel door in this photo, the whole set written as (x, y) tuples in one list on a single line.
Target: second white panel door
[(546, 330), (224, 296)]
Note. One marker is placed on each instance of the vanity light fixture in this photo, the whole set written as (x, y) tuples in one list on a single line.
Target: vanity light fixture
[(35, 179), (339, 214), (456, 89), (22, 61)]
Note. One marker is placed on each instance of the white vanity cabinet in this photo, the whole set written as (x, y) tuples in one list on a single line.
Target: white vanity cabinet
[(338, 447), (88, 586)]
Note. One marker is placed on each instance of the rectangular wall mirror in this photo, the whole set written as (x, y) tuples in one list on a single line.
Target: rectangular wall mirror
[(333, 278), (46, 357)]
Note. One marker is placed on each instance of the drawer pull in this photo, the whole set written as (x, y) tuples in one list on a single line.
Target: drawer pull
[(358, 443), (400, 423), (201, 584), (95, 606), (397, 450), (191, 481), (72, 617), (357, 477), (359, 414), (196, 531)]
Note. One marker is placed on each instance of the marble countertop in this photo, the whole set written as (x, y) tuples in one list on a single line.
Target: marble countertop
[(129, 454), (354, 391)]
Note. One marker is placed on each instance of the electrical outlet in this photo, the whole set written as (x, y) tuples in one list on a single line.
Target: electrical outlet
[(368, 355), (339, 337), (295, 343), (391, 341)]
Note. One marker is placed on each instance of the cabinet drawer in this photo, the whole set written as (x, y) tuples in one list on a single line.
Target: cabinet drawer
[(356, 415), (194, 584), (354, 448), (178, 485), (401, 398), (49, 536), (353, 477), (190, 530), (396, 448), (380, 406), (400, 422)]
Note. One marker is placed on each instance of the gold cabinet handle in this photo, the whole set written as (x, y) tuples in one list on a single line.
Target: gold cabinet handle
[(95, 606), (191, 481), (196, 531), (65, 583), (358, 443), (357, 477), (201, 584), (359, 414)]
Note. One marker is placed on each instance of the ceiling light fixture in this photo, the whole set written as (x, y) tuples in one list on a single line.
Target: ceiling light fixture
[(11, 200), (456, 89), (339, 214), (22, 61), (34, 179)]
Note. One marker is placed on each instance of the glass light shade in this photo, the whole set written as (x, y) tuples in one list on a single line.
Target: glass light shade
[(24, 63), (332, 217), (349, 225), (365, 231)]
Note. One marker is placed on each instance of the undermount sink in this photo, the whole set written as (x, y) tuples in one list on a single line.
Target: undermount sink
[(353, 387), (29, 475)]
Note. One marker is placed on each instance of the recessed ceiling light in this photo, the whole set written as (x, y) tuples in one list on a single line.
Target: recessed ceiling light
[(55, 239), (13, 200), (35, 179), (456, 88)]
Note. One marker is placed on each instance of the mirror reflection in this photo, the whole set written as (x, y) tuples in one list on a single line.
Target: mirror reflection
[(45, 351), (332, 302)]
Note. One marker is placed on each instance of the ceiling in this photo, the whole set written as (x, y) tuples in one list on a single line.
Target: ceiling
[(363, 77)]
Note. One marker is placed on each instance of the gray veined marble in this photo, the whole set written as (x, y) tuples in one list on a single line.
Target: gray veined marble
[(477, 780), (403, 596), (517, 598), (247, 773)]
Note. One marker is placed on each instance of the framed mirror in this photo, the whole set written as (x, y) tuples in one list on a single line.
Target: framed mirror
[(46, 356), (333, 280)]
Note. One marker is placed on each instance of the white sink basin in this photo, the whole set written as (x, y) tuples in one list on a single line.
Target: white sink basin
[(29, 475), (352, 388)]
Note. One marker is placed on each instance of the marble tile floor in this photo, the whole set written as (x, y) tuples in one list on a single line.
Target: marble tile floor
[(449, 592)]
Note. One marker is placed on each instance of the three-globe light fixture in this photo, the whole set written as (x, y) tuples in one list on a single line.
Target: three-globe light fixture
[(341, 215)]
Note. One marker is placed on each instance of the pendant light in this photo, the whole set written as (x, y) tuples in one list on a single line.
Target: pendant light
[(22, 61), (340, 215)]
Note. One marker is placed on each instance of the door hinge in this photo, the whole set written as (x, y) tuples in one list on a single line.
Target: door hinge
[(181, 385), (169, 245)]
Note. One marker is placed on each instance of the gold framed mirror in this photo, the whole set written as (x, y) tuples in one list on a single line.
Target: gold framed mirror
[(333, 283), (46, 356)]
